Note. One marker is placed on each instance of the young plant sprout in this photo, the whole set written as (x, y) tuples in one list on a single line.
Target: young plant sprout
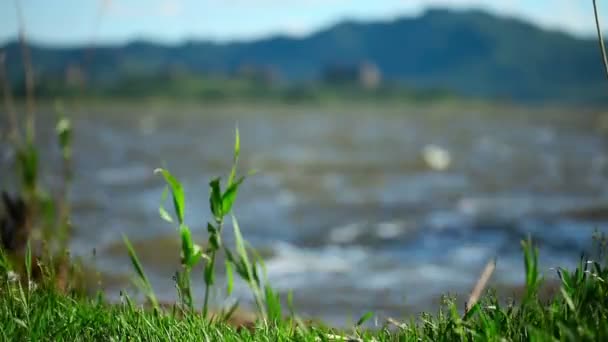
[(221, 202)]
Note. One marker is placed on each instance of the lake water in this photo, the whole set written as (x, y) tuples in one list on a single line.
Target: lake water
[(344, 207)]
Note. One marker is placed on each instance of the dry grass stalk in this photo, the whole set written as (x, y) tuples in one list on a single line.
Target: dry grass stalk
[(395, 322), (481, 284), (9, 105), (28, 70)]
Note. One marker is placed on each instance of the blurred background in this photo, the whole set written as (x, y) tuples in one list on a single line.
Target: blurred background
[(400, 145)]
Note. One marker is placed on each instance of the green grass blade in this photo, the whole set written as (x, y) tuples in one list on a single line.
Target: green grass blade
[(226, 316), (568, 299), (28, 261), (140, 272), (245, 267), (210, 271), (364, 318), (179, 201), (230, 196), (189, 254), (229, 278), (240, 246), (161, 209), (237, 152), (215, 199), (273, 304)]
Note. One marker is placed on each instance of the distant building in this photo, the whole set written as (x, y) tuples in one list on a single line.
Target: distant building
[(365, 74)]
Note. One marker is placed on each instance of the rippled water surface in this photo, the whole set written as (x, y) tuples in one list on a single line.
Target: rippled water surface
[(344, 206)]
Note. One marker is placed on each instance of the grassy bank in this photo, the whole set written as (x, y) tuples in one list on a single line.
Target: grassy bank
[(578, 313)]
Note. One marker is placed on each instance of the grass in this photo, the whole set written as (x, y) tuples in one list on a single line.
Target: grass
[(241, 259), (578, 313)]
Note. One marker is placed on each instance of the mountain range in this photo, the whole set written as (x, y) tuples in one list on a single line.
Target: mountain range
[(470, 52)]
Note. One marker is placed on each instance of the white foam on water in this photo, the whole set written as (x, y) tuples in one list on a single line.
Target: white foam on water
[(293, 266), (442, 220), (429, 274), (347, 233), (383, 280), (390, 230), (470, 254), (518, 205)]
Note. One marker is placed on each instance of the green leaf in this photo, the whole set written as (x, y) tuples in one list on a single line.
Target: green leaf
[(161, 209), (210, 271), (215, 240), (565, 278), (254, 273), (240, 268), (364, 318), (258, 260), (134, 260), (230, 311), (230, 196), (472, 311), (273, 304), (215, 199), (197, 255), (237, 143), (229, 278), (140, 272), (211, 229), (179, 201), (240, 246), (568, 299), (237, 152), (245, 268), (533, 278), (20, 322), (165, 215), (187, 245)]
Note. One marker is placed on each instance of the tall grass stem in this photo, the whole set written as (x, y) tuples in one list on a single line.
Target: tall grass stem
[(600, 37), (28, 69)]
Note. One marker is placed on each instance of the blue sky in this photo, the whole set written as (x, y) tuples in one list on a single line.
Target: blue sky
[(171, 21)]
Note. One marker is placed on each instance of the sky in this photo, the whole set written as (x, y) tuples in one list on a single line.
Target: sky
[(76, 22)]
